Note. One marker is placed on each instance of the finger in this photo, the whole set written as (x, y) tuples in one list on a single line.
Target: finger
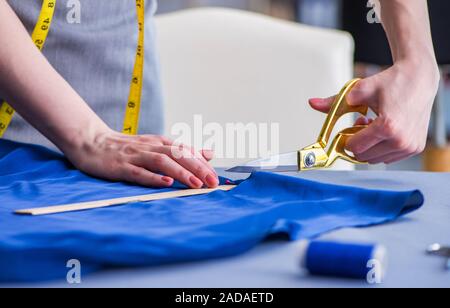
[(196, 164), (378, 151), (167, 141), (391, 158), (394, 159), (208, 154), (176, 151), (362, 121), (205, 157), (141, 176), (162, 163), (395, 147), (401, 154), (180, 149), (322, 104), (183, 151), (365, 121), (364, 93), (368, 138)]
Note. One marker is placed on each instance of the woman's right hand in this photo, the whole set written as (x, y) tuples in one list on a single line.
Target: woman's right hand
[(147, 160)]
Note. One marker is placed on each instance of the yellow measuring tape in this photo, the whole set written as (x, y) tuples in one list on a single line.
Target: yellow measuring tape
[(39, 37)]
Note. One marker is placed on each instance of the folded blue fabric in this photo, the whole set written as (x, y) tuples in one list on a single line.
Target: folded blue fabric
[(143, 234)]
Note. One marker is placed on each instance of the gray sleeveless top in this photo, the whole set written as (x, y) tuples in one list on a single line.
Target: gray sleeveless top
[(96, 56)]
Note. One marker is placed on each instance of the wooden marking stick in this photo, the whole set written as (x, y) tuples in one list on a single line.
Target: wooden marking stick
[(119, 201)]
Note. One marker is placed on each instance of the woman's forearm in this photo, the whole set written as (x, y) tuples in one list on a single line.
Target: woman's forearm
[(402, 95), (407, 26), (34, 88)]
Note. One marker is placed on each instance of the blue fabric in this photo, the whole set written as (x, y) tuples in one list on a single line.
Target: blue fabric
[(143, 234)]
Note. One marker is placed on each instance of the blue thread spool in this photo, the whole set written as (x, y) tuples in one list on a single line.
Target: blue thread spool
[(343, 259)]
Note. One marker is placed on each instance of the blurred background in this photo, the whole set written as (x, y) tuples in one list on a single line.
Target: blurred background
[(371, 54)]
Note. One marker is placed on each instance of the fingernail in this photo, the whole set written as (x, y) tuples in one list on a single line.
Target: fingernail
[(167, 180), (208, 154), (364, 120), (195, 182), (212, 181), (315, 100), (355, 150)]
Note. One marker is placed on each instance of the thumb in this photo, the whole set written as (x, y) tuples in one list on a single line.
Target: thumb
[(364, 93), (321, 104)]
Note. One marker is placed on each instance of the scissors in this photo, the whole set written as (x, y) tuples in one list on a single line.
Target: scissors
[(316, 156)]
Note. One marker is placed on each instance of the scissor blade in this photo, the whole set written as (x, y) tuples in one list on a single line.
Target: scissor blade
[(277, 163), (278, 169), (439, 250)]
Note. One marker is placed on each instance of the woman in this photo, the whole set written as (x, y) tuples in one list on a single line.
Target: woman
[(75, 95)]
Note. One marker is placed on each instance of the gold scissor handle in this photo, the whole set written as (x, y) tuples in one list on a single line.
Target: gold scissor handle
[(339, 108), (337, 148), (315, 156)]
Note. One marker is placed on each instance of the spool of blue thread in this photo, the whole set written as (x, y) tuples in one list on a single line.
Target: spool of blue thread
[(342, 259)]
